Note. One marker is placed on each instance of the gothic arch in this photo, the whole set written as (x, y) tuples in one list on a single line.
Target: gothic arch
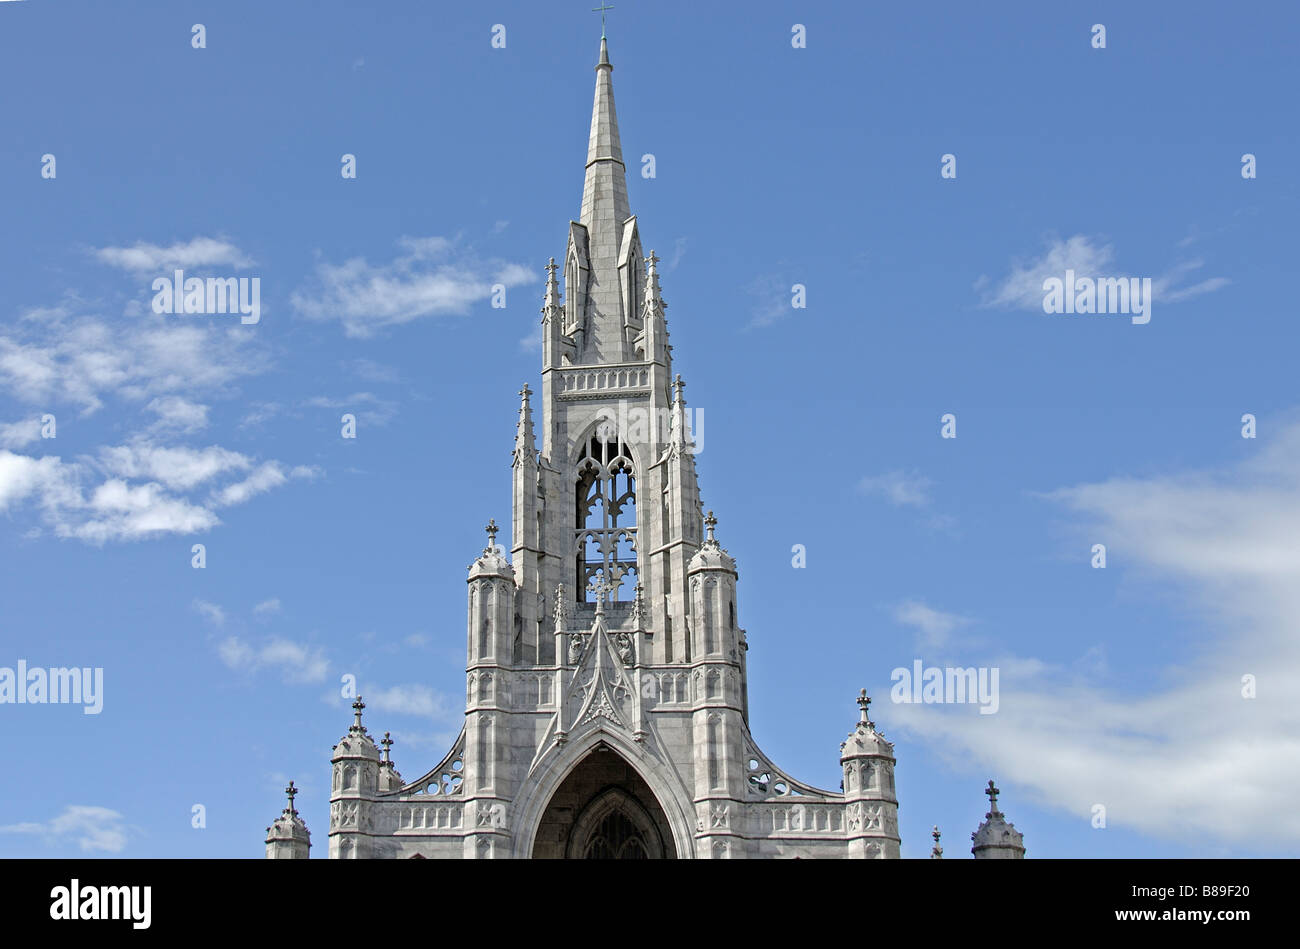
[(562, 760), (591, 834)]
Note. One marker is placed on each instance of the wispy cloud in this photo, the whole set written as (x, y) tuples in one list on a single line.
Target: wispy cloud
[(933, 628), (1022, 288), (142, 494), (433, 277), (197, 254), (1215, 764), (51, 356), (296, 663), (214, 614), (18, 434), (367, 406), (90, 828), (899, 488)]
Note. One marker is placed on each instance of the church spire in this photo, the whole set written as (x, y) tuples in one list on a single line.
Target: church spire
[(604, 190)]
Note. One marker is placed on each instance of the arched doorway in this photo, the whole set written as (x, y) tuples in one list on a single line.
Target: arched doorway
[(604, 810)]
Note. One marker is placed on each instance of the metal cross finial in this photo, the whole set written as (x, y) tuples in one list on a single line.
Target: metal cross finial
[(993, 793), (601, 10), (492, 532), (388, 745), (357, 706), (711, 522), (292, 792)]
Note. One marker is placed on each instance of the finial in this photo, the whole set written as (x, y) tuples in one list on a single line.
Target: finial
[(678, 386), (357, 706), (711, 522), (864, 703), (936, 852), (601, 588), (492, 532), (525, 392), (993, 793), (292, 792), (388, 744)]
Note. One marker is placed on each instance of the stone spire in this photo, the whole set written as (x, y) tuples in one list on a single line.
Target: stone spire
[(389, 777), (525, 448), (551, 305), (604, 190), (997, 838)]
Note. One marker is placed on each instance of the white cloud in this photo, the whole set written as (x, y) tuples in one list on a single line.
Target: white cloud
[(176, 414), (70, 502), (296, 662), (432, 278), (933, 627), (197, 254), (1022, 288), (899, 488), (1187, 757), (18, 434), (90, 828), (772, 300), (267, 607), (377, 411), (51, 357), (215, 614), (417, 700), (176, 468)]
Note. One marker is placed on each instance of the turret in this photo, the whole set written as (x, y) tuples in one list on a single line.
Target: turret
[(354, 785), (712, 574), (871, 805), (491, 629), (288, 838), (997, 838)]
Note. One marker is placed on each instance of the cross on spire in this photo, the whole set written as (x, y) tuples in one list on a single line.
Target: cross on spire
[(601, 10), (492, 531), (292, 792), (711, 522), (388, 744), (357, 706), (993, 793)]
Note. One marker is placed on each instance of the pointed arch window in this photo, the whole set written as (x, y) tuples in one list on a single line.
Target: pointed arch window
[(605, 532)]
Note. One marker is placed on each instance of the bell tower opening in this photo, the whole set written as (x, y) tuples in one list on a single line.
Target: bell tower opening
[(604, 810), (605, 485)]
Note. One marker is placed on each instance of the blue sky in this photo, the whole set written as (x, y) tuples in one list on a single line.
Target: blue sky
[(774, 166)]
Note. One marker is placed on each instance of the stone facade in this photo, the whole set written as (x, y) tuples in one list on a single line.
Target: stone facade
[(607, 707)]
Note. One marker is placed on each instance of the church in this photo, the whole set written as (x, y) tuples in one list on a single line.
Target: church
[(606, 702)]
